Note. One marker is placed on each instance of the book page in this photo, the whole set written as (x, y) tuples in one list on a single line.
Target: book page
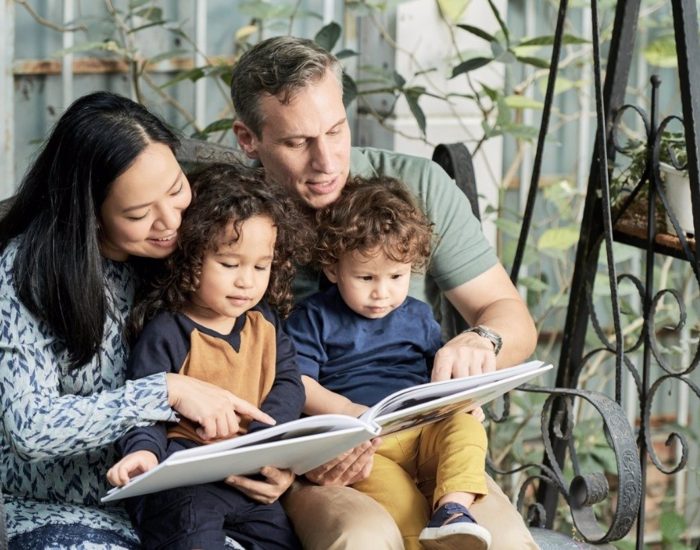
[(434, 390), (296, 428), (431, 402)]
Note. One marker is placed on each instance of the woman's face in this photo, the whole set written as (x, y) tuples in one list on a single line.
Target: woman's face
[(143, 209)]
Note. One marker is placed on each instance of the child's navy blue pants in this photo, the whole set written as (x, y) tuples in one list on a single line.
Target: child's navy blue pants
[(201, 516)]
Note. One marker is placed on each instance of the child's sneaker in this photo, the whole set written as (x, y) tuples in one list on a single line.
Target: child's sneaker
[(452, 527)]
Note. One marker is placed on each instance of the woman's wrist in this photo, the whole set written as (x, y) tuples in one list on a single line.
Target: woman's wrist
[(172, 382)]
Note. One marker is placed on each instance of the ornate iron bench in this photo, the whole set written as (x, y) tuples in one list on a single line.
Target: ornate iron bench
[(583, 490)]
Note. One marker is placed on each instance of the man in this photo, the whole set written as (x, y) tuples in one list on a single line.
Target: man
[(287, 93)]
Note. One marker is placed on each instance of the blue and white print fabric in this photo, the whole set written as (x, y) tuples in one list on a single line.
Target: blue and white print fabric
[(58, 424)]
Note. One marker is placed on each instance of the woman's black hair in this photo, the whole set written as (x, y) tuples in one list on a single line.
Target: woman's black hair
[(58, 269)]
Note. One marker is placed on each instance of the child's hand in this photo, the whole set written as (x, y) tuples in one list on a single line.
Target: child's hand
[(478, 413), (355, 409), (131, 465)]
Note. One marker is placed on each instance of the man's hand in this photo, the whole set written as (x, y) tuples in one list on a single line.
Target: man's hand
[(350, 467), (466, 354), (276, 482), (131, 465)]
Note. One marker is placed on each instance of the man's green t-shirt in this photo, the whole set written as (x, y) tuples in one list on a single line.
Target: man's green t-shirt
[(460, 250)]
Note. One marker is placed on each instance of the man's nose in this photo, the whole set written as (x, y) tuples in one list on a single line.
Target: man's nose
[(322, 159)]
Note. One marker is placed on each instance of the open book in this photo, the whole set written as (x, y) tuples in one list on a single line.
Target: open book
[(304, 444)]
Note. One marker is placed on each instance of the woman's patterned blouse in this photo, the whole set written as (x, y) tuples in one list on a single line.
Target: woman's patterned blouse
[(58, 424)]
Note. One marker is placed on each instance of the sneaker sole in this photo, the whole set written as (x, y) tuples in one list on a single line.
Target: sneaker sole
[(459, 536)]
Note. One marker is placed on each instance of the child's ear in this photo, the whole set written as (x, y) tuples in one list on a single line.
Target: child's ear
[(331, 273)]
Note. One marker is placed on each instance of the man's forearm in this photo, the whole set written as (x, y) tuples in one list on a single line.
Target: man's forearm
[(510, 319), (491, 300)]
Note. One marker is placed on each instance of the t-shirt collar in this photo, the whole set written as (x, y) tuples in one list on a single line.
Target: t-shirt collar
[(360, 164)]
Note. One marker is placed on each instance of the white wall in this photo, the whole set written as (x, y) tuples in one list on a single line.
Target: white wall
[(425, 42)]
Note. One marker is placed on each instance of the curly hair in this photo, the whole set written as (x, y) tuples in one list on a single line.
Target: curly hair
[(225, 193), (369, 214)]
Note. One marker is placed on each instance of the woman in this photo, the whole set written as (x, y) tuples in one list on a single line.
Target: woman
[(105, 189)]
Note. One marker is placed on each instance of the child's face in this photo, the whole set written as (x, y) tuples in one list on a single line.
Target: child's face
[(371, 284), (235, 276)]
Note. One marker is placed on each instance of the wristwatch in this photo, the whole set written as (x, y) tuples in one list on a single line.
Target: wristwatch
[(486, 332)]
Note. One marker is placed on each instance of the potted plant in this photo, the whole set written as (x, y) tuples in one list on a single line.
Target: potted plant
[(673, 160), (673, 174)]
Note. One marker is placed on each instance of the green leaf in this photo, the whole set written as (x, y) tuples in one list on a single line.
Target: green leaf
[(412, 95), (470, 65), (193, 75), (160, 22), (534, 284), (549, 40), (661, 52), (523, 102), (221, 125), (452, 10), (558, 238), (106, 46), (133, 4), (488, 130), (520, 131), (345, 53), (492, 93), (605, 456), (497, 50), (536, 61), (504, 116), (328, 36), (508, 227), (501, 23), (152, 13), (244, 32), (349, 90), (506, 56), (478, 32), (399, 80), (672, 526)]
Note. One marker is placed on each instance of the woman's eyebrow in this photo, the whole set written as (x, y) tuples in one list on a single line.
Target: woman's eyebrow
[(144, 205)]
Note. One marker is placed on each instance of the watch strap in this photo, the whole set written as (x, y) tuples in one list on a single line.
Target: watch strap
[(489, 334)]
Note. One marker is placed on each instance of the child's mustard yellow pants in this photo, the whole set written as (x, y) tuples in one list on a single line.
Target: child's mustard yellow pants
[(413, 469)]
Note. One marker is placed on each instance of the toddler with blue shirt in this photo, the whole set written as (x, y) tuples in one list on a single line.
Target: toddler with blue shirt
[(365, 338)]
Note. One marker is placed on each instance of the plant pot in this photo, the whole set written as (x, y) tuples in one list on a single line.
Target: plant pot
[(677, 188)]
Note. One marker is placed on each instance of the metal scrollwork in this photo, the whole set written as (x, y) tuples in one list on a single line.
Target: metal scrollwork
[(652, 301), (587, 489)]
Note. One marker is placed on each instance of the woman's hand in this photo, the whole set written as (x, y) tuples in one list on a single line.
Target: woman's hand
[(350, 467), (276, 482), (131, 465), (217, 411)]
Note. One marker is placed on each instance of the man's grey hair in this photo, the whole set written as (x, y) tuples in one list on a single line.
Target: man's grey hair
[(278, 66)]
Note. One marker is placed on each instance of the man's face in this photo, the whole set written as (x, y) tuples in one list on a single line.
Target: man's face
[(304, 144)]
